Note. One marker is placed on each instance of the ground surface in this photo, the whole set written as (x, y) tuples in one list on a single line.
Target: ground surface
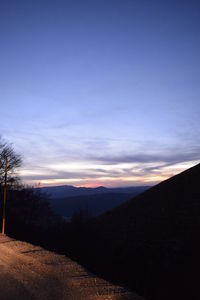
[(29, 272)]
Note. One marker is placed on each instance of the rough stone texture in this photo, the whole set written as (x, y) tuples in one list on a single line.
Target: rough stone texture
[(29, 272)]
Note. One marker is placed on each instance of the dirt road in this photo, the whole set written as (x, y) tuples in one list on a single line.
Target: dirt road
[(29, 272)]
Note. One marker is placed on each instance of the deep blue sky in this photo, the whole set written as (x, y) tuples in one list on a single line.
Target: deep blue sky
[(101, 92)]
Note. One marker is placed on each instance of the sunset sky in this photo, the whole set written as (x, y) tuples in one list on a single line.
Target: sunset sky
[(101, 92)]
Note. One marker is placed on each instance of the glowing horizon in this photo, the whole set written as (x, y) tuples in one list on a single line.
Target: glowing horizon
[(163, 173)]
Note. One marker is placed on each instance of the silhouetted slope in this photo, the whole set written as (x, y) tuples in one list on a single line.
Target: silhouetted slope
[(152, 242)]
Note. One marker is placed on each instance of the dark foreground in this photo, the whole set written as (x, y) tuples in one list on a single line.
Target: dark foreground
[(30, 272)]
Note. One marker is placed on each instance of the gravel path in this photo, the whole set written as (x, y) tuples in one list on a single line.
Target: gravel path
[(29, 272)]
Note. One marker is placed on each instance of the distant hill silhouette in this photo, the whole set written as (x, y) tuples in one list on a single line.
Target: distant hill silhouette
[(66, 200), (152, 242), (64, 191)]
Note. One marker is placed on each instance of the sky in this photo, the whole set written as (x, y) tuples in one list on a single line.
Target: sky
[(100, 92)]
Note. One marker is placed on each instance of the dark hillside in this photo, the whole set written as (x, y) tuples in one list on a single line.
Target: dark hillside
[(152, 242)]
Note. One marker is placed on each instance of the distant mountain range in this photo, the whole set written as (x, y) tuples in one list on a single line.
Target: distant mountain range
[(62, 191), (67, 200)]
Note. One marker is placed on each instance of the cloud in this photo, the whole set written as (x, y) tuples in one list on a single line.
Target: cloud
[(169, 158), (111, 161)]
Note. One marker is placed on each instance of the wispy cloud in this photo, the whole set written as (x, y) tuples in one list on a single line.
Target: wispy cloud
[(111, 171), (166, 158)]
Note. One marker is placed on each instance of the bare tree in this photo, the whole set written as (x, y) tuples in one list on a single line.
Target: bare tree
[(13, 162)]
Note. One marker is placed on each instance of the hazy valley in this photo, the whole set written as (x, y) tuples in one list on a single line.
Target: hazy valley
[(67, 201)]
